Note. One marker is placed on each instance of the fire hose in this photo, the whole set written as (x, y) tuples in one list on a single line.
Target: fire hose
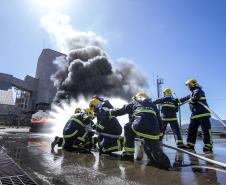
[(210, 110), (223, 165), (213, 113), (197, 156), (105, 134)]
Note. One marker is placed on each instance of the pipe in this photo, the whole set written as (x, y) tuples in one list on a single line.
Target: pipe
[(105, 134), (212, 112), (180, 104), (223, 165), (174, 148)]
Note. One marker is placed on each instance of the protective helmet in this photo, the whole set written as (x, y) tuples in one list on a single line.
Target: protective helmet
[(89, 113), (96, 97), (167, 91), (132, 99), (93, 103), (78, 109), (192, 83), (140, 95)]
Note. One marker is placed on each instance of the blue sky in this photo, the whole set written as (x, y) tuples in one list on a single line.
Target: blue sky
[(175, 39)]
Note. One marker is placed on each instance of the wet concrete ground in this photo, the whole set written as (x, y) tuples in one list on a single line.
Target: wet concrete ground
[(32, 153)]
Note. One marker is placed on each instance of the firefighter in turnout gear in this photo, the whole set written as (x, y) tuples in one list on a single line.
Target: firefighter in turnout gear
[(200, 116), (106, 125), (75, 132), (145, 125), (169, 109)]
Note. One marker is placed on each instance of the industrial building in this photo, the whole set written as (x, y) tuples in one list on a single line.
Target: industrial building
[(32, 93)]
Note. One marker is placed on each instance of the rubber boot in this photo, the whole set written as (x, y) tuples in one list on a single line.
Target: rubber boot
[(56, 141), (156, 155), (189, 147), (160, 159)]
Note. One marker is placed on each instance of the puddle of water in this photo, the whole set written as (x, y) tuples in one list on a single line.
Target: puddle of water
[(32, 152)]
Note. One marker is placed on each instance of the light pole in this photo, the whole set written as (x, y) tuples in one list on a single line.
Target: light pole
[(160, 81)]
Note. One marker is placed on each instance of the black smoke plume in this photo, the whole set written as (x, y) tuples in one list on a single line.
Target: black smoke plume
[(87, 71)]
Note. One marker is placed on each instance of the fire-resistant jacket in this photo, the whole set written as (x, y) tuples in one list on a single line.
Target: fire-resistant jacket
[(145, 121), (169, 108), (76, 124), (106, 124), (197, 95)]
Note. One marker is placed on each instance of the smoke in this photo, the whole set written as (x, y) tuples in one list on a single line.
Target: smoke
[(66, 38), (87, 69)]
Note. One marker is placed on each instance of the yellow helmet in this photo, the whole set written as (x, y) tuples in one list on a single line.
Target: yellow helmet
[(191, 83), (93, 103), (140, 95), (78, 109), (89, 113), (132, 99), (167, 91)]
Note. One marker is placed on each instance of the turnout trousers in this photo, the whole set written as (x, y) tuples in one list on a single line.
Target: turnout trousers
[(152, 147), (204, 122), (176, 130)]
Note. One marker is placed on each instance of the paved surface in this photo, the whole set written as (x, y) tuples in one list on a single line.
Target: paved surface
[(32, 153)]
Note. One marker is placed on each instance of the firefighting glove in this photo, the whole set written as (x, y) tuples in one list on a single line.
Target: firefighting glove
[(192, 100)]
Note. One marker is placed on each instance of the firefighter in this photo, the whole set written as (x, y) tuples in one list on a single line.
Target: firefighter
[(78, 110), (169, 109), (106, 125), (145, 124), (200, 116), (75, 131)]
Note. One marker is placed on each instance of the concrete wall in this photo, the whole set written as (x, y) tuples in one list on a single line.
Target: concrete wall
[(5, 109), (41, 87), (45, 68), (28, 84)]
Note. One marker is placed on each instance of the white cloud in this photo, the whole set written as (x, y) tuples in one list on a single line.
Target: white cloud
[(66, 37)]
